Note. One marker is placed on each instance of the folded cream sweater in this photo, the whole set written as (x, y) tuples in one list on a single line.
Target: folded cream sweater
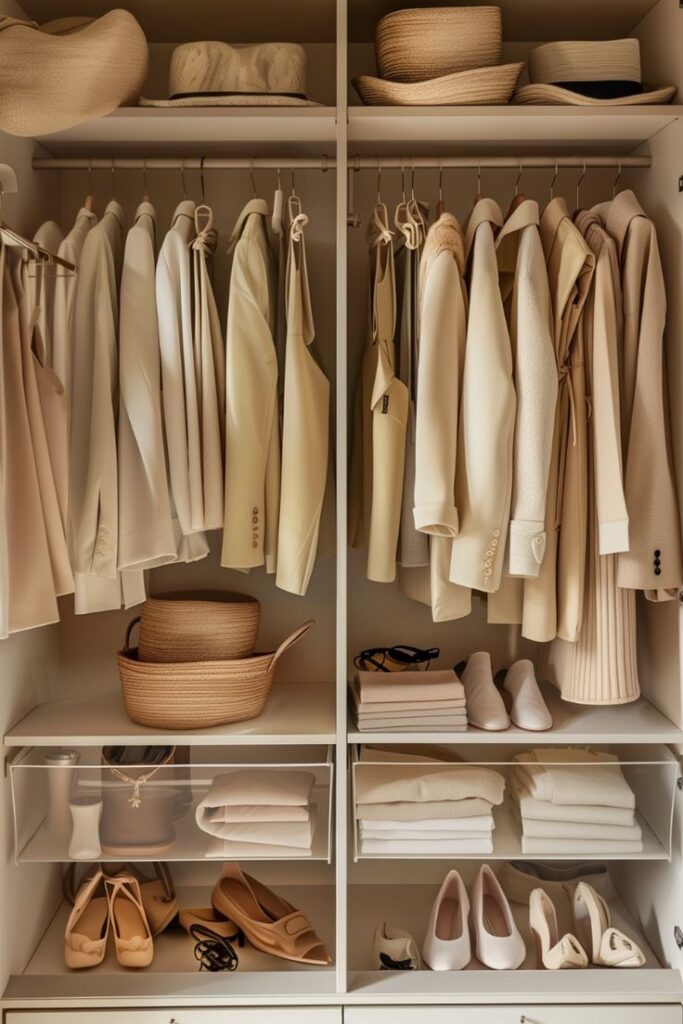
[(573, 776), (415, 783), (544, 810), (454, 809)]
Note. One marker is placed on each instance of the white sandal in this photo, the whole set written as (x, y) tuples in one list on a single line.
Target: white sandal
[(553, 953), (606, 946)]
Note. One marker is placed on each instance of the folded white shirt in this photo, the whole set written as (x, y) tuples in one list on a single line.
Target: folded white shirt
[(579, 830), (544, 810), (451, 847), (260, 812), (573, 776), (583, 847), (425, 838), (478, 823)]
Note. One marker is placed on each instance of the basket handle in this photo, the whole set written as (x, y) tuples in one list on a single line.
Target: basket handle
[(131, 626), (290, 641)]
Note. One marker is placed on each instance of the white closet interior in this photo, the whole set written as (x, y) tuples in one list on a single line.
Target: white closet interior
[(59, 683)]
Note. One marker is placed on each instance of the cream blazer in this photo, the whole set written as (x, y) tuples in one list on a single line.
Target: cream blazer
[(570, 266), (443, 326), (65, 297), (389, 406), (146, 534), (93, 506), (43, 285), (178, 378), (653, 562), (252, 436), (305, 428), (27, 593), (483, 482)]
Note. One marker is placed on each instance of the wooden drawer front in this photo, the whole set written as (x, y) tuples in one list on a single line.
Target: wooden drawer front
[(605, 1014), (250, 1015)]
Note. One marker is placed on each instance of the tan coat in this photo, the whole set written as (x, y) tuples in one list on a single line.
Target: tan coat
[(483, 483), (654, 562)]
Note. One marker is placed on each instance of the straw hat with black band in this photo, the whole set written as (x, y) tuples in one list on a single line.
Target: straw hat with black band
[(587, 73), (216, 74), (439, 56)]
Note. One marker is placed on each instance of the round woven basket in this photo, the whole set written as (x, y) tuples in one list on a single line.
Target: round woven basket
[(196, 695), (415, 45), (206, 625)]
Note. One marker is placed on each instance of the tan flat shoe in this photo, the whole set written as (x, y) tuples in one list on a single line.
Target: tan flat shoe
[(553, 953), (85, 936), (132, 937), (269, 922)]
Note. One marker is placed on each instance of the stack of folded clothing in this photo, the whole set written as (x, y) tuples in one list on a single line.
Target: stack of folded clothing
[(424, 806), (574, 802), (418, 701), (258, 813)]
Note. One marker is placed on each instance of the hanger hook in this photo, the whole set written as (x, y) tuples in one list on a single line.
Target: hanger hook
[(379, 181), (440, 180), (412, 179), (279, 180), (520, 172), (113, 177), (252, 175), (616, 181), (182, 177), (552, 183), (201, 178), (90, 175), (144, 177), (579, 183), (403, 181), (479, 178), (291, 174)]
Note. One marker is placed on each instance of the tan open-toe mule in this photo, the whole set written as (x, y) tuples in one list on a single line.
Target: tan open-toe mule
[(132, 936), (85, 936), (269, 922)]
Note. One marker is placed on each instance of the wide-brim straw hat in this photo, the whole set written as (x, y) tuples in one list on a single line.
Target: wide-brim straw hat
[(416, 44), (61, 74), (590, 74), (477, 87), (216, 74)]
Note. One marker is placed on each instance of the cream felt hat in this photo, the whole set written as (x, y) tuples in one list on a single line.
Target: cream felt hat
[(439, 56), (215, 74), (68, 71), (590, 73)]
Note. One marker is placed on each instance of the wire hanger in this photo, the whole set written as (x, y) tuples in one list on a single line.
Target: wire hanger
[(478, 196), (113, 179), (183, 184), (276, 220), (440, 204), (145, 187), (89, 203), (616, 182), (552, 183), (252, 175), (202, 209), (578, 186), (518, 198), (34, 252)]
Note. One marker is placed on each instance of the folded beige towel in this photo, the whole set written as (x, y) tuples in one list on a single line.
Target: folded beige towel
[(543, 810), (385, 783), (580, 847), (579, 830), (425, 837), (482, 823), (371, 711), (220, 849), (444, 721), (298, 834), (260, 812), (380, 687), (267, 787), (408, 705), (471, 808), (417, 848), (572, 776)]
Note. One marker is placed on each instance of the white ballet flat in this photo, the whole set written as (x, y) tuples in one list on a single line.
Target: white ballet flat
[(529, 710), (447, 944), (485, 706), (395, 950), (606, 946), (552, 952), (498, 942)]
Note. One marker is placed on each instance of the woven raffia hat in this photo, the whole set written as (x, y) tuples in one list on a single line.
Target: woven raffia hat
[(215, 74), (438, 56), (587, 73), (61, 74)]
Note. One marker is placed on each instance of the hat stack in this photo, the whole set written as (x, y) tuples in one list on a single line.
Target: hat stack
[(439, 56), (590, 73)]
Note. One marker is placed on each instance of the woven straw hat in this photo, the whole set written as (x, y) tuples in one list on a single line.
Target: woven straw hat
[(417, 44), (588, 73), (215, 74), (439, 56), (66, 72)]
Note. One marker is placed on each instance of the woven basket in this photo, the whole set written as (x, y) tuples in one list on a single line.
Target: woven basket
[(415, 45), (196, 695), (206, 625), (483, 87)]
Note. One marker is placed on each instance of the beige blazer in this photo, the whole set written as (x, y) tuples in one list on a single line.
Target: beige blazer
[(653, 562), (146, 533), (179, 394), (570, 266), (483, 482), (27, 593), (305, 428), (50, 236), (65, 296), (93, 504), (252, 436)]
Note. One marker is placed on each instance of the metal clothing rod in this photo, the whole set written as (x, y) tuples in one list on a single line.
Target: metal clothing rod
[(190, 163), (512, 162)]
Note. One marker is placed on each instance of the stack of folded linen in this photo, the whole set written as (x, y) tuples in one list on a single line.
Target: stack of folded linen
[(418, 701), (424, 806), (574, 802), (256, 812)]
